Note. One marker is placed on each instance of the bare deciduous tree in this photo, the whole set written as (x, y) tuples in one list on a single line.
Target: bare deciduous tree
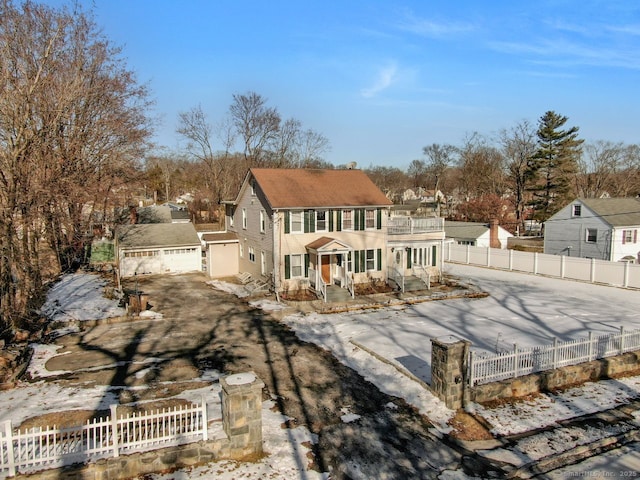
[(518, 147), (72, 120)]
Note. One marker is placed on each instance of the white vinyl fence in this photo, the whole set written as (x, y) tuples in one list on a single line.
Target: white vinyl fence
[(620, 274), (486, 368), (50, 447)]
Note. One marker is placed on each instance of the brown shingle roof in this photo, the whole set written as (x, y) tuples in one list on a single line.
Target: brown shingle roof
[(302, 188)]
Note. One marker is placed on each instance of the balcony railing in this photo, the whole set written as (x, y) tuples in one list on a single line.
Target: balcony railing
[(411, 225)]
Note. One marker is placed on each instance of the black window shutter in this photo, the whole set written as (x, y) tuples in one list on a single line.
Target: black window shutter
[(356, 261), (408, 250), (338, 220), (287, 226), (306, 221), (379, 219), (331, 220), (379, 265), (306, 265), (287, 267)]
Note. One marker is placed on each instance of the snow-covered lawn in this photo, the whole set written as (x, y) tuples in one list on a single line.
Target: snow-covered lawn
[(381, 345)]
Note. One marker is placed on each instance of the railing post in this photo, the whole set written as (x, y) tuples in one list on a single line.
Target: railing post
[(114, 430), (591, 357), (8, 438), (554, 360), (535, 263), (470, 367), (516, 362), (205, 420), (625, 281), (468, 254), (510, 260), (488, 256), (592, 276), (562, 265), (622, 340)]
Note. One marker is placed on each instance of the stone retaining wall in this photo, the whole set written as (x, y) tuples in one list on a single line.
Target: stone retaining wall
[(550, 380), (242, 421)]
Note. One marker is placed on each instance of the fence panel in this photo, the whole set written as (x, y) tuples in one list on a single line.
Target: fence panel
[(47, 447), (633, 280), (618, 274), (611, 273), (523, 261), (577, 269), (500, 258), (549, 265), (486, 368)]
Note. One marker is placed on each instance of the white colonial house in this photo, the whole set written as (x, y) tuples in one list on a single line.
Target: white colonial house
[(327, 230), (600, 228)]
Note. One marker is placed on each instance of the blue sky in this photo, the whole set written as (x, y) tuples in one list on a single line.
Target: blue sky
[(382, 79)]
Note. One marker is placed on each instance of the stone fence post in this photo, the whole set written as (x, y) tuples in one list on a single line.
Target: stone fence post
[(448, 369), (242, 412)]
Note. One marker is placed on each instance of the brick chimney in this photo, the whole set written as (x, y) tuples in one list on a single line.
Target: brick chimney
[(494, 240), (133, 215)]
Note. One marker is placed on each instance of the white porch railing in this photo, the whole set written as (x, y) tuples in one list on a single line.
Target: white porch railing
[(411, 225), (421, 272), (350, 286), (486, 368), (396, 275), (50, 447)]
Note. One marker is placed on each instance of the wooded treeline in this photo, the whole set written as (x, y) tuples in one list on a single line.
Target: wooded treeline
[(75, 129)]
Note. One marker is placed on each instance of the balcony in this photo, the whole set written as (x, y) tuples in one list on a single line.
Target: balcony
[(413, 225)]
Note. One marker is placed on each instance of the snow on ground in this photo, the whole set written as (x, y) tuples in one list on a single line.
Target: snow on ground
[(79, 296), (521, 308), (237, 290)]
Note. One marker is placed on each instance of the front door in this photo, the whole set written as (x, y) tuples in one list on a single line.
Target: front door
[(326, 268)]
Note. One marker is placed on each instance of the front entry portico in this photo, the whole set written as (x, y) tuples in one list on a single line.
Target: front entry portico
[(330, 264)]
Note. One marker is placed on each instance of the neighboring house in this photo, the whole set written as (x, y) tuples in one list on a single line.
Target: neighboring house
[(302, 228), (601, 228), (476, 234), (158, 248)]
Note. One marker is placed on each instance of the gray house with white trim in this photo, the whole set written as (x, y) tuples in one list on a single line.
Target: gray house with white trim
[(600, 228)]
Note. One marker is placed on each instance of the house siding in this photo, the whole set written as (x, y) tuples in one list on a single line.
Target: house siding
[(368, 239), (565, 234), (251, 237), (623, 248)]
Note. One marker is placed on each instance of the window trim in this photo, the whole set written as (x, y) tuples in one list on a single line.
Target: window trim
[(373, 219), (300, 215), (344, 225), (300, 266), (591, 233), (326, 215), (576, 210), (263, 222)]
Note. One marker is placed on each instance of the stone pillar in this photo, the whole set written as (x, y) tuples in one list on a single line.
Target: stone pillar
[(448, 369), (242, 412)]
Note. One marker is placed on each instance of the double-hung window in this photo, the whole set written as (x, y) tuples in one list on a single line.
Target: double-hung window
[(296, 266), (591, 235), (252, 254), (371, 260), (321, 220), (370, 219), (244, 218), (347, 220), (296, 221), (577, 210), (263, 222)]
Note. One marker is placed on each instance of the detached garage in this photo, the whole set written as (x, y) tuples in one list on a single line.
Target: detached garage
[(158, 248)]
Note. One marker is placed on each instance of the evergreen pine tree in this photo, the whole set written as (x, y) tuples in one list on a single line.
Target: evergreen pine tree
[(553, 165)]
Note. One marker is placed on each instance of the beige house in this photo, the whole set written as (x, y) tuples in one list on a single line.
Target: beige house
[(327, 230)]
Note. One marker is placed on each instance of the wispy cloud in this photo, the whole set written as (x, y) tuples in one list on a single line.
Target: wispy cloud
[(434, 28), (386, 77), (566, 53)]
